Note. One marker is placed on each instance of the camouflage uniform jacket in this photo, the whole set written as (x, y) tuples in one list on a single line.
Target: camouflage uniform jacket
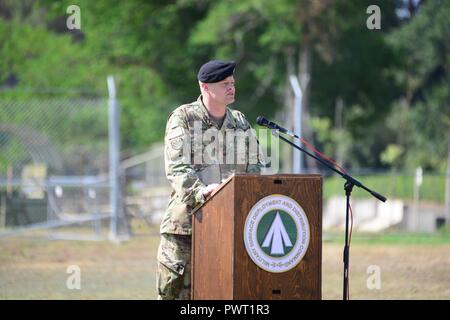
[(190, 165)]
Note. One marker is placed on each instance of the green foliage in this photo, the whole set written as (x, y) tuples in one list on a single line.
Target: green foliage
[(424, 43), (15, 150), (333, 140), (39, 59), (393, 83), (395, 186), (392, 238), (431, 130), (391, 155)]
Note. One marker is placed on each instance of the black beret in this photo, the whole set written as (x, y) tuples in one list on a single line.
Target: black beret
[(215, 71)]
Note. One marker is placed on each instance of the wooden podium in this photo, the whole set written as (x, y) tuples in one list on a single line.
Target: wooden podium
[(222, 268)]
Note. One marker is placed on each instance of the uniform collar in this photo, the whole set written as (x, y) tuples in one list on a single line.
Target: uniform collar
[(228, 123)]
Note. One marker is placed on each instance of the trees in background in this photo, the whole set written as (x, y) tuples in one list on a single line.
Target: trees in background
[(373, 98)]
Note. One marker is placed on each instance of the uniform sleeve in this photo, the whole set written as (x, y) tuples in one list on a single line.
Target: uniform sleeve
[(177, 154)]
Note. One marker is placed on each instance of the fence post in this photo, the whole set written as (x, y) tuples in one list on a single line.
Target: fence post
[(418, 179), (114, 158), (297, 158), (447, 185)]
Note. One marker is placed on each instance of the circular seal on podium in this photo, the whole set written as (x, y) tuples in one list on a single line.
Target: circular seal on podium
[(276, 233)]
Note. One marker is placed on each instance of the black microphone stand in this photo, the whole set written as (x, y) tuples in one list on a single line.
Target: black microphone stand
[(350, 182)]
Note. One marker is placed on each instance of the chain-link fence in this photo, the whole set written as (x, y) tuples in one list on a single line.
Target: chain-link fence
[(55, 171), (68, 136), (54, 164)]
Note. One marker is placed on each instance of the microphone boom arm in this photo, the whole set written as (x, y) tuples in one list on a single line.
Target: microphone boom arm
[(348, 187)]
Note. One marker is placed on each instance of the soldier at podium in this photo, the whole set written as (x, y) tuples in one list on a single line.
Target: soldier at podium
[(205, 142)]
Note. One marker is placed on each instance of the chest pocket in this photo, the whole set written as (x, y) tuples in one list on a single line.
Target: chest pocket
[(236, 153)]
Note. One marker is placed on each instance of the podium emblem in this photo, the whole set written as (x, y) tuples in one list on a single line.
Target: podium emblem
[(276, 233)]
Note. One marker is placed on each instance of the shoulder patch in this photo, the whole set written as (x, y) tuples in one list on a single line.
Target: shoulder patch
[(175, 133)]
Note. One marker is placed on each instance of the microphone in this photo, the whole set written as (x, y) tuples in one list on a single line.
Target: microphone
[(262, 121), (272, 125)]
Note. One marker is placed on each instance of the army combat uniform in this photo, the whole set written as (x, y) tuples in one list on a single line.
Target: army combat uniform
[(187, 176)]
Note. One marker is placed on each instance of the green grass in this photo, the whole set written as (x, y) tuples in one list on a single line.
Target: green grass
[(395, 238), (392, 186)]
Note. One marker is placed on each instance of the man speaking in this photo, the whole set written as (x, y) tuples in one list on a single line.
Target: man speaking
[(202, 149)]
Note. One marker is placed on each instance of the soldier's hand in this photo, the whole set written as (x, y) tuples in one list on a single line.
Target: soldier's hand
[(210, 189)]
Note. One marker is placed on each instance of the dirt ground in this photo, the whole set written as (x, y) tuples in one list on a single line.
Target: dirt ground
[(36, 268)]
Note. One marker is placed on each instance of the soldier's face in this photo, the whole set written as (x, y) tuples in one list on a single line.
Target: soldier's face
[(223, 92)]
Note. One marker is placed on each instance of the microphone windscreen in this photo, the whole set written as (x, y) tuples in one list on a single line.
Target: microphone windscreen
[(261, 120)]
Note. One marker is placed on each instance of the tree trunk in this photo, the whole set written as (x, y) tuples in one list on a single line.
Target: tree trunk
[(339, 125), (304, 75)]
